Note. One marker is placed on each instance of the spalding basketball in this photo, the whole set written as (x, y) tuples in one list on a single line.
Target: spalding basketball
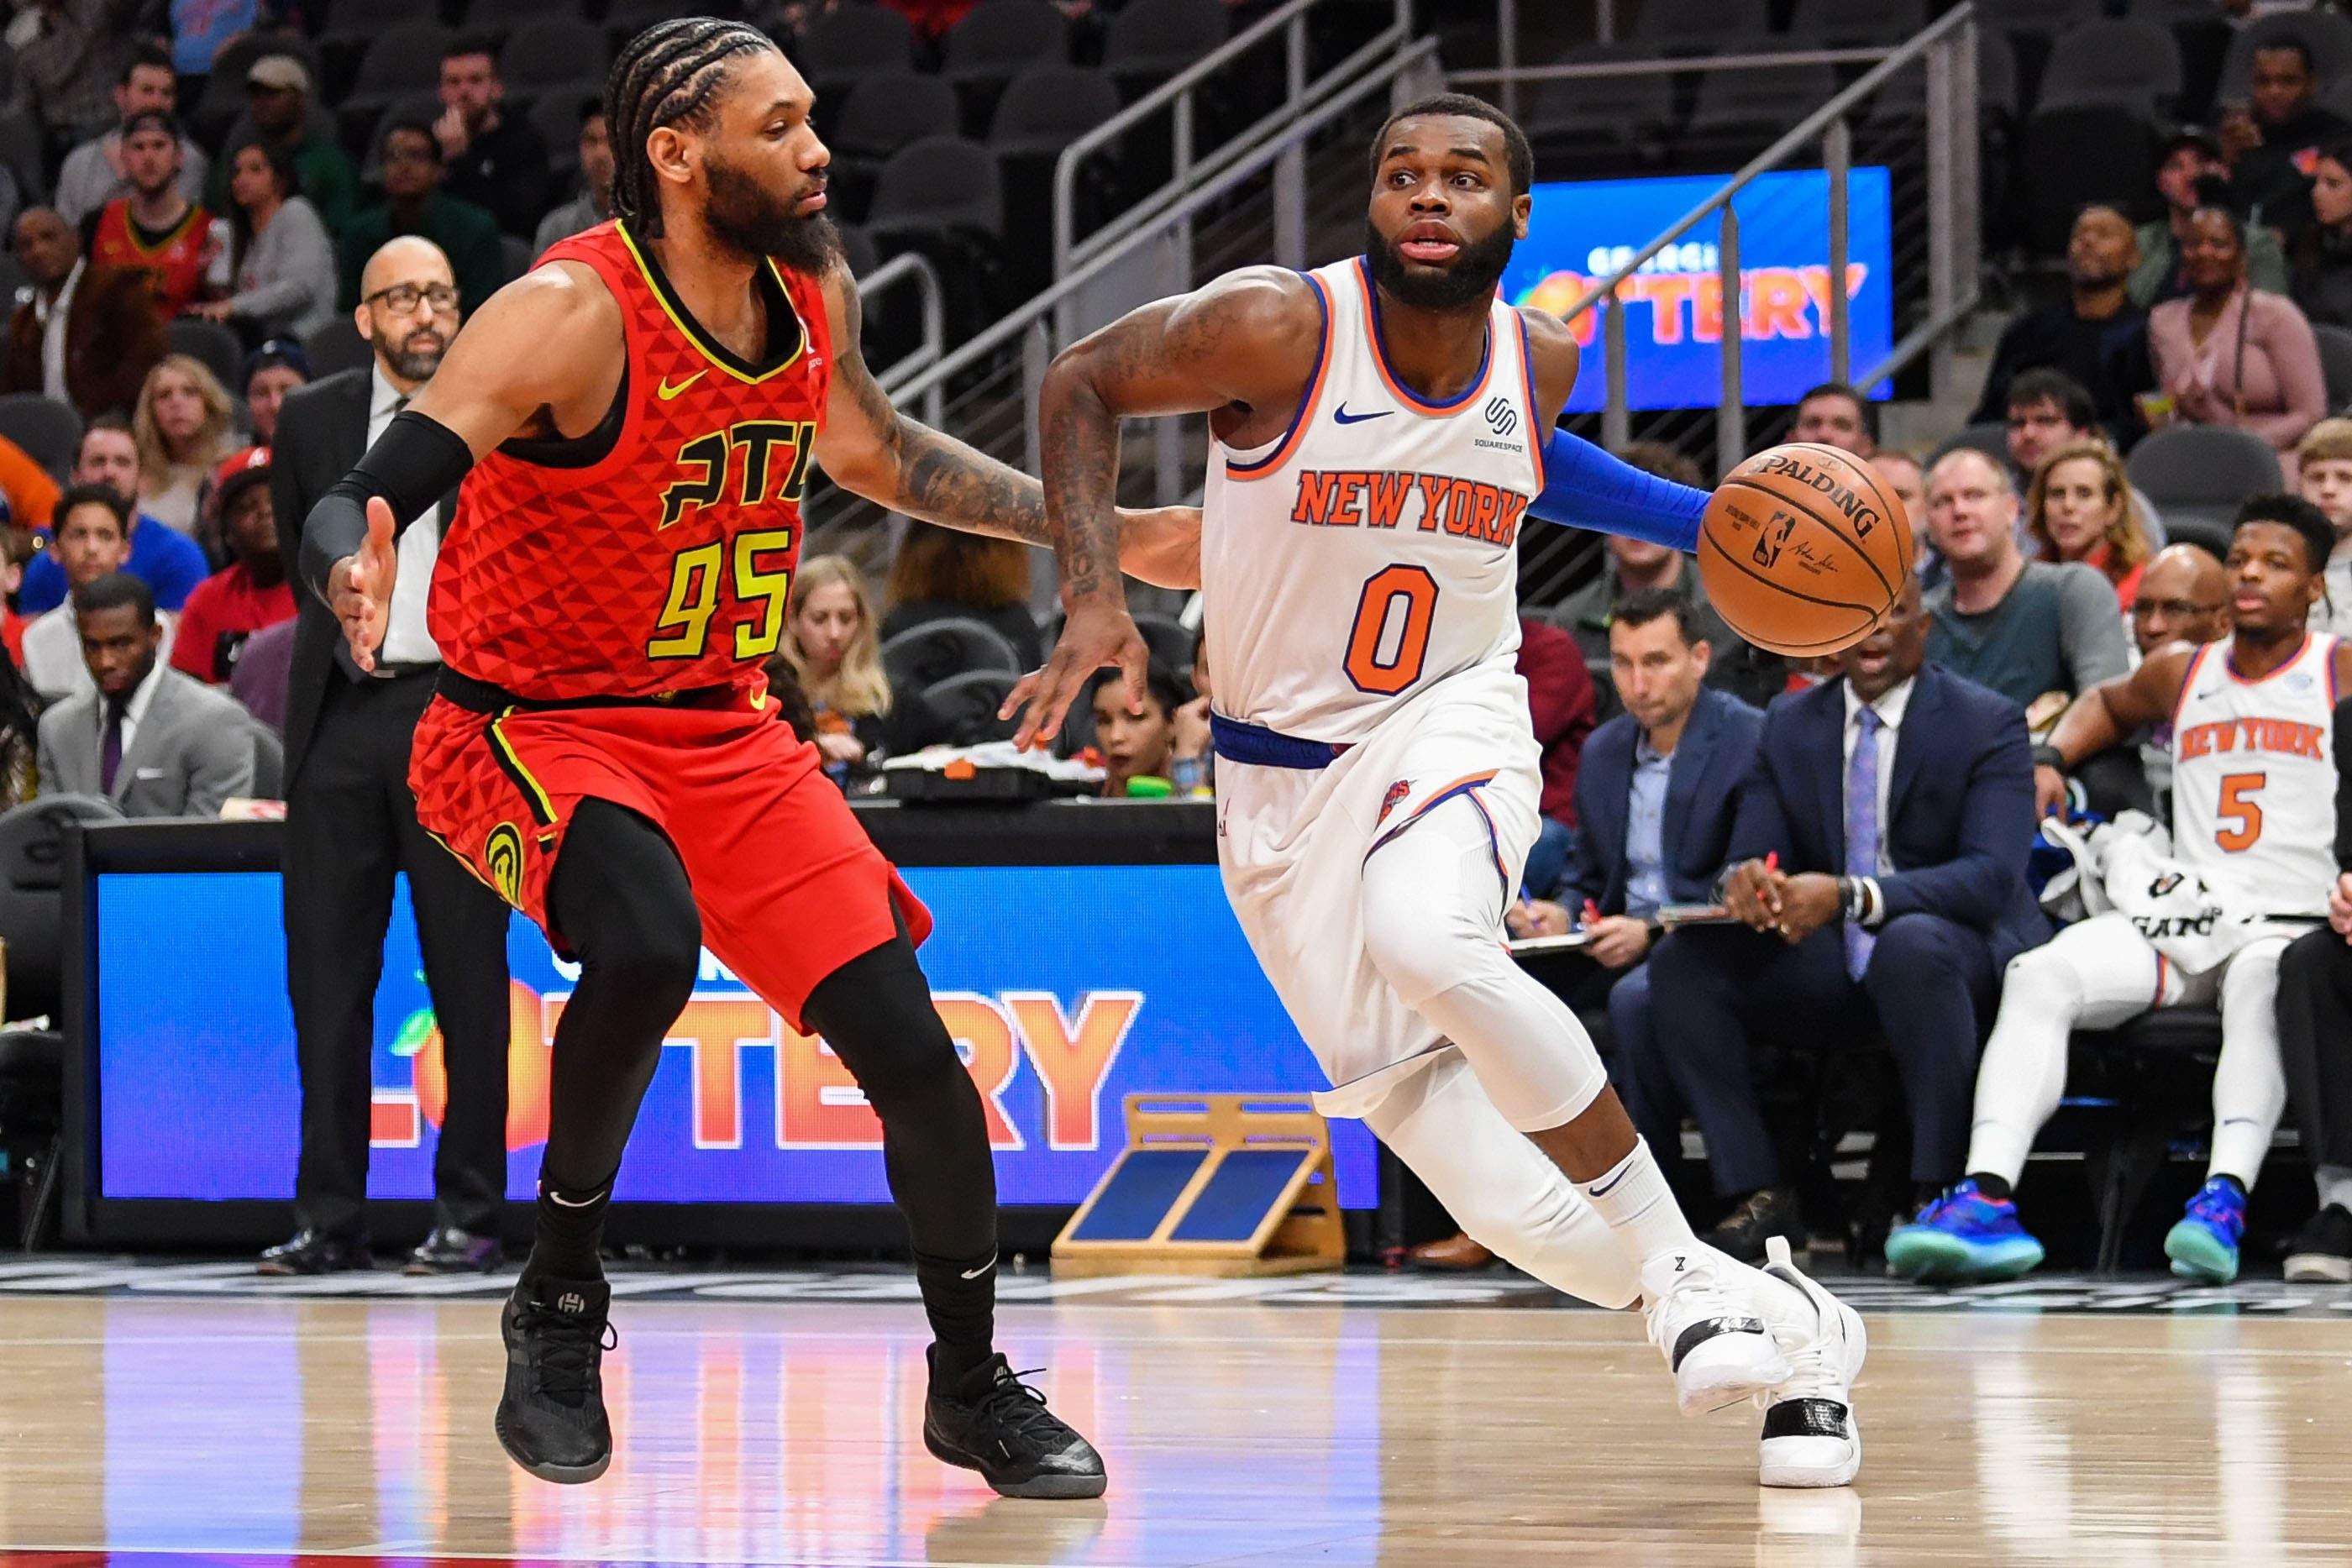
[(1802, 549)]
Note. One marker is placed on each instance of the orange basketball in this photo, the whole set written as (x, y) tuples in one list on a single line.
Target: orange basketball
[(1803, 549)]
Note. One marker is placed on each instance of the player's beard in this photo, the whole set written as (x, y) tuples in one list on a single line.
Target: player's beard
[(746, 215), (1471, 280)]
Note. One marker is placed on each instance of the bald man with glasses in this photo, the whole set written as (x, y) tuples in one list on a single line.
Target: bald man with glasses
[(352, 826)]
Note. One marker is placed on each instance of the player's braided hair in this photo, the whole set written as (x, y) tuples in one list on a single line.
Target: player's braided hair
[(666, 75)]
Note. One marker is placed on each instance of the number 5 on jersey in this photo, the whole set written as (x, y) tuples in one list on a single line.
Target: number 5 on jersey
[(693, 589), (2239, 812)]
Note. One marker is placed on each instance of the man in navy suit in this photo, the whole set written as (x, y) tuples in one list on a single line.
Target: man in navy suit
[(1655, 797), (1878, 869)]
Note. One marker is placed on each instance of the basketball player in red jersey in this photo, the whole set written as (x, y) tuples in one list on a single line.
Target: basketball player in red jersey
[(639, 414)]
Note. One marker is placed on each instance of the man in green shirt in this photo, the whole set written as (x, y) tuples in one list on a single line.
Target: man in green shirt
[(415, 204), (277, 109)]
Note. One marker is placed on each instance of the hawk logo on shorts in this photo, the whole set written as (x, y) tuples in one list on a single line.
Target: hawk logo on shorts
[(502, 855), (1397, 792)]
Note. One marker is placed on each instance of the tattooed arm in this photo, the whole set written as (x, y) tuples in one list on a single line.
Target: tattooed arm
[(867, 446), (1241, 350)]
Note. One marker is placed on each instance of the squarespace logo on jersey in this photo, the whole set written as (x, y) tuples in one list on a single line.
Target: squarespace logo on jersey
[(817, 1102)]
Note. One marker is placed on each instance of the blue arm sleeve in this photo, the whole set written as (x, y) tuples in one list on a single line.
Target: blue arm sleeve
[(1584, 488)]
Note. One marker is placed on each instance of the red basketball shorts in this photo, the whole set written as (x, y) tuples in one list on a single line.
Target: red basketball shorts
[(789, 886)]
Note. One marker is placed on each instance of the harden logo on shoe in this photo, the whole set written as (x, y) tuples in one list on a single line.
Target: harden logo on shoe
[(1397, 792), (572, 1302)]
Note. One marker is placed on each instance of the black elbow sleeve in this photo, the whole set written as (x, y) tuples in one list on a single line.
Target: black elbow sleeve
[(416, 462)]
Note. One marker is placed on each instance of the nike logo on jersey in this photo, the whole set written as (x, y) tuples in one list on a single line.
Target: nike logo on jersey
[(669, 388), (1341, 415)]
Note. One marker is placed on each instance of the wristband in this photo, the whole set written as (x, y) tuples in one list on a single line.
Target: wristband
[(2049, 756)]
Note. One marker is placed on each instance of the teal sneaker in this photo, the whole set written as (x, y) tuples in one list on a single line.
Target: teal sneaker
[(2204, 1245), (1961, 1238)]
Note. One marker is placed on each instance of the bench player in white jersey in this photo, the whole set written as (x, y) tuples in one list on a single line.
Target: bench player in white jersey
[(1380, 436), (2253, 809)]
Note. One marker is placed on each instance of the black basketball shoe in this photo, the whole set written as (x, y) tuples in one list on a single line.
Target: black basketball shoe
[(551, 1418), (999, 1425)]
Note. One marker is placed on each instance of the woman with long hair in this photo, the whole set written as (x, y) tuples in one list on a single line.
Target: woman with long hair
[(279, 268), (181, 429), (2234, 354), (831, 648), (941, 573), (2081, 507)]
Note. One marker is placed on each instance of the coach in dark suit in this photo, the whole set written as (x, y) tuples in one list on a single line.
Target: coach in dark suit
[(1898, 802), (351, 823)]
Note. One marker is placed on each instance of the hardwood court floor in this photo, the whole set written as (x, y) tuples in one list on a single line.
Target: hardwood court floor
[(232, 1430)]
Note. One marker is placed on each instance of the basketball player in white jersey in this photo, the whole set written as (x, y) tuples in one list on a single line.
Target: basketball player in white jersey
[(2253, 810), (1380, 436)]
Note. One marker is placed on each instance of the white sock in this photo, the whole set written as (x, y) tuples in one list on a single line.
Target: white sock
[(1634, 1200), (2334, 1184)]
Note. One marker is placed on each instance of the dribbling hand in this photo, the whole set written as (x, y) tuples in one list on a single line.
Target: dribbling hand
[(359, 588), (1098, 633)]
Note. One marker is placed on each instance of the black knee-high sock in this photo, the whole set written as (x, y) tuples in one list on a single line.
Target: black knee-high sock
[(622, 902), (875, 1012)]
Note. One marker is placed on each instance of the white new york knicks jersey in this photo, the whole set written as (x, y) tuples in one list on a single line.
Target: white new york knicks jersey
[(2253, 777), (1370, 552)]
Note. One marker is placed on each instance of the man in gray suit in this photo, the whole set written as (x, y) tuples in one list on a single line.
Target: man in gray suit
[(148, 739)]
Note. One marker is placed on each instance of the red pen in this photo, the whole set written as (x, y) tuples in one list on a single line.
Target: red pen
[(1773, 859), (1592, 913)]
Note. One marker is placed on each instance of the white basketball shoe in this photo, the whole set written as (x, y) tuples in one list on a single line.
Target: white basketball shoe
[(1811, 1436), (1713, 1335)]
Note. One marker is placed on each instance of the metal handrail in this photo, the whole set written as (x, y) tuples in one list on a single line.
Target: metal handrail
[(1290, 17), (1804, 130), (1004, 331), (911, 267), (1677, 64)]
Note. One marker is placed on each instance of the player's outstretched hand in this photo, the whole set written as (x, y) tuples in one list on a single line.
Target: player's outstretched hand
[(1098, 633), (359, 590)]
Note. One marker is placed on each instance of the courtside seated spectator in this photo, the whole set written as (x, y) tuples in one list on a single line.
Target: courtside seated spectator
[(2231, 354), (2023, 628), (251, 592), (182, 426), (2320, 264), (1141, 745), (1656, 801), (153, 229), (92, 543), (1629, 566), (1836, 414), (264, 670), (93, 173), (67, 54), (83, 335), (168, 562), (281, 260), (1897, 804), (1560, 702), (495, 160), (20, 753), (2096, 335), (2184, 597), (830, 646), (593, 204), (2190, 173), (2048, 409), (2323, 477), (2272, 138), (272, 371), (277, 109), (155, 742), (2261, 825), (415, 204), (941, 574), (2081, 508), (16, 546), (1903, 476)]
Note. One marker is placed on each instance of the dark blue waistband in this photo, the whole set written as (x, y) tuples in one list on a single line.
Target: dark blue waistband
[(1261, 747)]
